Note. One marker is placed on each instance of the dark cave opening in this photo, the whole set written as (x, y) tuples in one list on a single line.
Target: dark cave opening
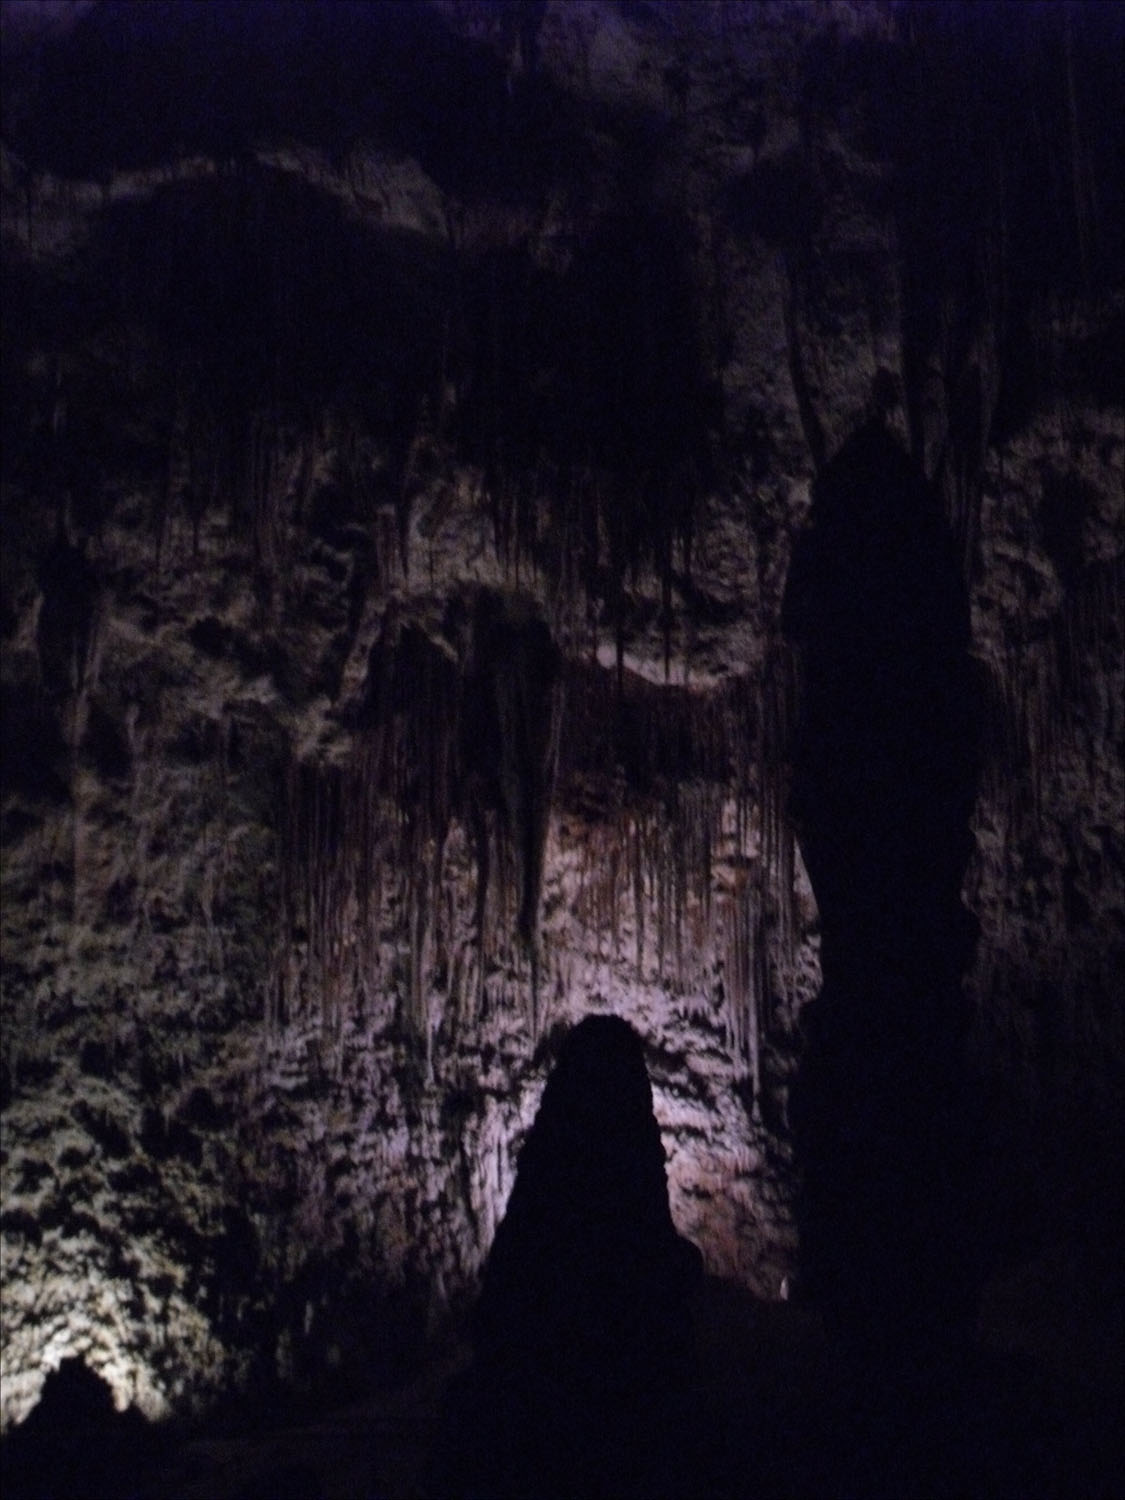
[(883, 784)]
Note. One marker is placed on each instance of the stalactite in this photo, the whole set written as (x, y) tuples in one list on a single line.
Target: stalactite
[(693, 806), (442, 742), (1042, 701), (265, 489), (1092, 620), (637, 862), (776, 867), (742, 967), (696, 845)]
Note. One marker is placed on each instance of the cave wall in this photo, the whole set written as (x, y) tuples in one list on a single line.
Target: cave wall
[(400, 483)]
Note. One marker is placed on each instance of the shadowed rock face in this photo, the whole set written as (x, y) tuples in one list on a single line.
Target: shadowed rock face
[(582, 1331), (883, 787)]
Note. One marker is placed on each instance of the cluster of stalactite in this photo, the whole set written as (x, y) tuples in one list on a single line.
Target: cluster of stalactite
[(454, 747), (247, 460), (1092, 623), (687, 858), (671, 801), (590, 534), (1046, 701), (363, 848), (1038, 692), (780, 690), (274, 478), (1022, 722)]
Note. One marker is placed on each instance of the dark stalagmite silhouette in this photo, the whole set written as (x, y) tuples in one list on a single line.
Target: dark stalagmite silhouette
[(884, 775), (75, 1443), (582, 1340)]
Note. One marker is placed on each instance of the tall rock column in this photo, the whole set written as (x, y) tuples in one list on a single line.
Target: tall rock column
[(884, 771)]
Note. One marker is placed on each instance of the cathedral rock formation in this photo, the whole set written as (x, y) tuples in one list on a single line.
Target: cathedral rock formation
[(603, 508)]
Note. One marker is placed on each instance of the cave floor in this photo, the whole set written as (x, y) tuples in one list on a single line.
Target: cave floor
[(377, 1447), (1027, 1409)]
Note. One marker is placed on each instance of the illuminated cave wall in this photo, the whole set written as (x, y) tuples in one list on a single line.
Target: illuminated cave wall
[(399, 493)]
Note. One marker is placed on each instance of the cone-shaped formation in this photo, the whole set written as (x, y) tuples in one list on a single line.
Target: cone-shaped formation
[(75, 1442), (582, 1331)]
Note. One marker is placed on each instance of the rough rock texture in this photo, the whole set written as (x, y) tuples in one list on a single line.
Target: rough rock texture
[(408, 416)]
